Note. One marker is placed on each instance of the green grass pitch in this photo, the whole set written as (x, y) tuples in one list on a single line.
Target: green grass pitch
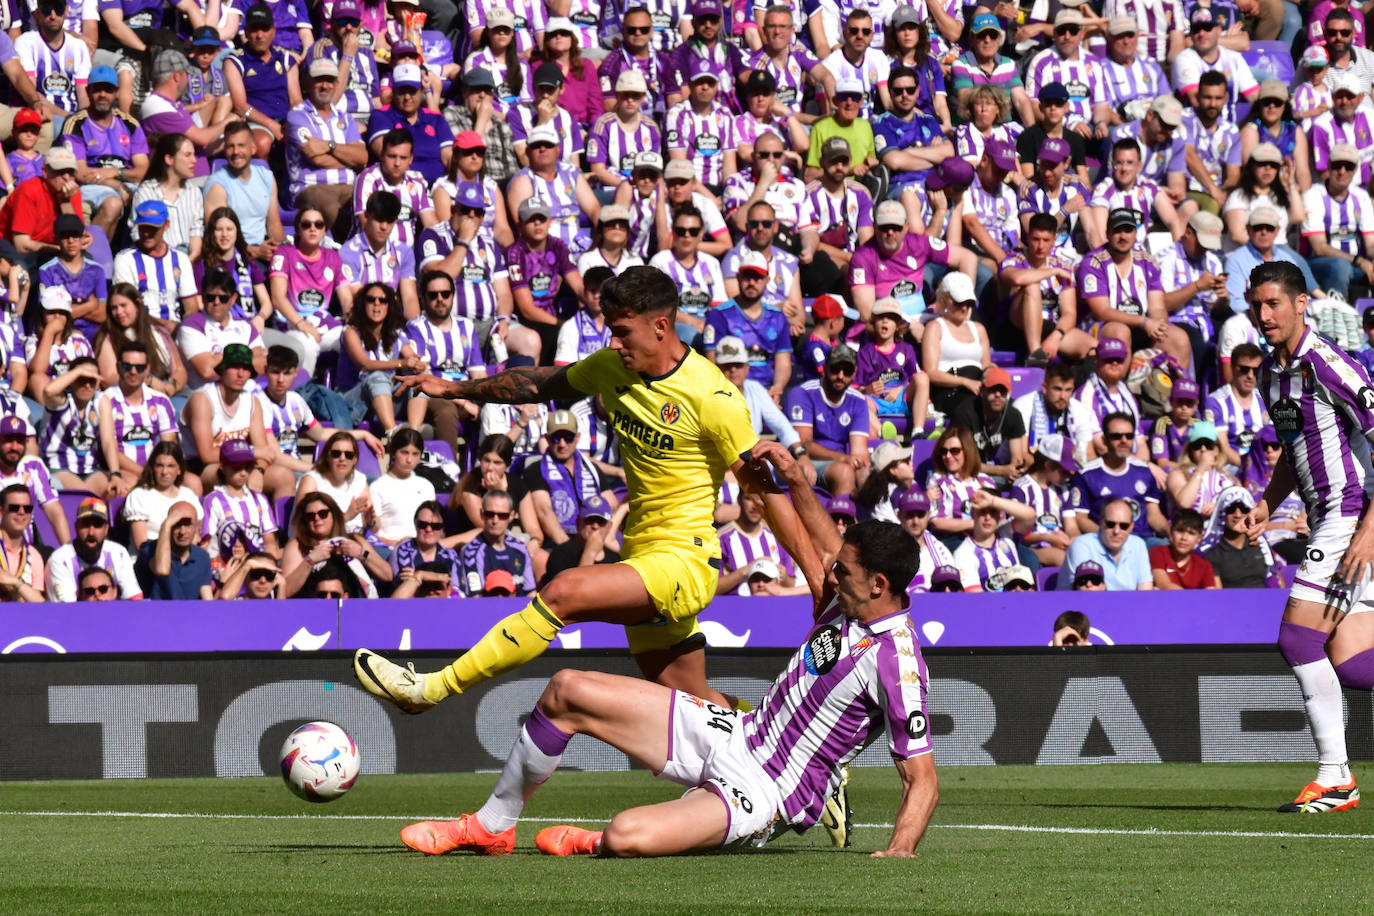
[(1167, 838)]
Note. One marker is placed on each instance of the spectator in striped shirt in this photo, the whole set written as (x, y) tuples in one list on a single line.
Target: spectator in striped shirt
[(324, 149), (91, 548), (1125, 188), (621, 133), (981, 65), (1130, 82), (1066, 64), (750, 539), (1339, 228), (162, 273), (70, 441), (984, 549)]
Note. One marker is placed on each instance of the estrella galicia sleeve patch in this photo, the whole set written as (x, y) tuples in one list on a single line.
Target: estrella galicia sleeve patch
[(822, 650)]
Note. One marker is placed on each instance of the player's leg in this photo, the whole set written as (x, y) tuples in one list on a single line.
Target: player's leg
[(697, 820), (609, 593), (1303, 635), (1351, 649), (684, 669)]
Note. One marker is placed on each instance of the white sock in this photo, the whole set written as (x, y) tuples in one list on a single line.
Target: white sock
[(1321, 693), (526, 769)]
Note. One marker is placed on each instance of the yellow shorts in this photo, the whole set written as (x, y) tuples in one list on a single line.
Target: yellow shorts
[(681, 582)]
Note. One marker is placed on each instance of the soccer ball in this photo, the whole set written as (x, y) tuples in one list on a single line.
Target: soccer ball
[(319, 761)]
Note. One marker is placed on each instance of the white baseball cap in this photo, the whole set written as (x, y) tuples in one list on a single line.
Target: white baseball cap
[(958, 286), (730, 351)]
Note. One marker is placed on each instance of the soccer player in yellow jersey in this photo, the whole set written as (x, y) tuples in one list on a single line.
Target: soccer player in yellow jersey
[(680, 424)]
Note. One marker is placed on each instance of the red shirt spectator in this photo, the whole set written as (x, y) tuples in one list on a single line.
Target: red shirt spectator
[(32, 209), (1194, 571)]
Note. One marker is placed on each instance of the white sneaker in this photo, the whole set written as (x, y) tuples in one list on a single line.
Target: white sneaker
[(403, 686)]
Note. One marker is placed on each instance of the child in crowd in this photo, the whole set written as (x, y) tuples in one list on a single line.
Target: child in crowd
[(1312, 97), (1170, 433), (79, 275), (25, 161), (889, 373), (828, 313), (1176, 565)]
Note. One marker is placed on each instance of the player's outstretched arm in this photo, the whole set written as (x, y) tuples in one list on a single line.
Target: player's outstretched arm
[(1281, 483), (920, 792), (756, 480), (521, 385)]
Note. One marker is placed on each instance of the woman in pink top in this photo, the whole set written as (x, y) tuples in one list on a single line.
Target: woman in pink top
[(581, 95)]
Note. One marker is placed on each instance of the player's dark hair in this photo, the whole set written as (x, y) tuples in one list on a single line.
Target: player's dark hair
[(1043, 222), (1246, 350), (596, 277), (1188, 520), (1212, 78), (640, 290), (1076, 619), (1117, 415), (1286, 275), (886, 548), (281, 357), (1056, 371), (397, 136)]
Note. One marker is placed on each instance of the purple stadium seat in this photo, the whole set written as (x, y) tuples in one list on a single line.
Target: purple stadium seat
[(921, 450), (440, 447), (100, 251), (70, 501), (1270, 60), (284, 507), (1025, 379), (1003, 358), (1045, 579)]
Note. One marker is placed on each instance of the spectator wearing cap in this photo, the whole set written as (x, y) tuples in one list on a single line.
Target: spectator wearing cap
[(844, 207), (395, 175), (580, 94), (160, 272), (987, 546), (764, 114), (163, 112), (764, 578), (733, 359), (743, 542), (1236, 408), (430, 134), (909, 142), (234, 510), (1205, 54), (597, 531), (28, 216), (857, 62), (827, 324), (1163, 144), (1051, 123), (1199, 477), (57, 63), (844, 122), (249, 189), (913, 513), (1348, 122), (469, 165), (91, 548), (559, 189), (263, 79), (433, 79), (55, 343), (543, 278), (703, 45), (134, 418), (110, 148), (763, 328), (1105, 394), (1000, 433), (24, 161), (585, 332), (1193, 276), (545, 112), (790, 63), (892, 264), (701, 130), (495, 549), (610, 243), (31, 471), (1126, 189), (982, 65), (562, 481), (832, 421), (1261, 186), (1169, 433), (1087, 577), (1262, 226), (1121, 288), (1043, 301), (1271, 120), (955, 351), (206, 93), (359, 81), (1054, 189), (697, 275), (1132, 80), (1339, 226), (1045, 488), (324, 149), (376, 254), (1311, 95), (78, 274), (990, 206), (1120, 474), (525, 19), (660, 204), (174, 567), (947, 579), (224, 411), (1122, 558), (1065, 63), (71, 427), (1236, 561), (619, 135), (478, 114)]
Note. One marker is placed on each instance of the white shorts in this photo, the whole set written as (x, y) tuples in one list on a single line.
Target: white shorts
[(1315, 579), (706, 749)]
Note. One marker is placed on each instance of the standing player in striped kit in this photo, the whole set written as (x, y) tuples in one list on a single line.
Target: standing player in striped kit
[(750, 776), (1322, 406)]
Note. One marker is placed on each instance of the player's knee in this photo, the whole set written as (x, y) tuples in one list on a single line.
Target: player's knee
[(568, 692), (627, 835)]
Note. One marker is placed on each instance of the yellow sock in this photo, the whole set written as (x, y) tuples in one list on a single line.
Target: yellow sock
[(509, 644), (743, 705)]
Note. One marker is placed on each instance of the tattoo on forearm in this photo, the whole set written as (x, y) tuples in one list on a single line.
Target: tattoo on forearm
[(521, 385)]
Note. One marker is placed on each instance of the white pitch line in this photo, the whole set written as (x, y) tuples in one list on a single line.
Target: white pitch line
[(1001, 828)]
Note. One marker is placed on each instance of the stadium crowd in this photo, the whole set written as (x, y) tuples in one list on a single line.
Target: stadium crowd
[(981, 268)]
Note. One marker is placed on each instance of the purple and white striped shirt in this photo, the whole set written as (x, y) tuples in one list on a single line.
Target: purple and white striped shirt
[(474, 297), (1321, 406), (1214, 480), (1167, 441), (1102, 400), (614, 145), (451, 353), (738, 550), (138, 427), (1082, 77), (976, 563), (306, 122), (955, 494), (565, 213), (1142, 78), (997, 211), (1240, 422), (933, 554), (1177, 270), (60, 355), (845, 684), (1155, 19), (706, 138), (58, 73), (1139, 197), (790, 75), (1159, 161), (70, 437), (1328, 131), (1051, 504), (251, 512), (1216, 148), (530, 16), (1342, 222), (288, 421), (851, 210), (700, 286), (414, 196), (1098, 276)]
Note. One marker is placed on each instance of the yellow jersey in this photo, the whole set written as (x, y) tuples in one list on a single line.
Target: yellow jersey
[(678, 434)]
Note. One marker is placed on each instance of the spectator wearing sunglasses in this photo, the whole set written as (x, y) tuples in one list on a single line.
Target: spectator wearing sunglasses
[(1121, 556), (704, 46), (1015, 578), (320, 537), (910, 143), (986, 549), (1339, 228), (1264, 246), (1236, 408), (95, 584), (335, 473), (1055, 504), (254, 577), (1065, 63), (1087, 577), (1118, 474), (946, 579), (1238, 562), (378, 253), (203, 336), (844, 122), (563, 480), (1197, 481), (856, 60), (424, 550), (21, 565), (913, 514), (496, 549), (333, 581)]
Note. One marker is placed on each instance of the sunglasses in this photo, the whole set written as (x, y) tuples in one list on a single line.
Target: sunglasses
[(1340, 33), (502, 30), (318, 515), (1237, 507), (1118, 526), (901, 90), (19, 507), (438, 293), (1265, 103), (537, 218), (687, 231), (947, 587), (848, 97), (219, 297), (429, 526), (323, 593), (258, 574), (677, 182), (1018, 586), (1244, 370), (855, 30), (1068, 30), (561, 437), (638, 29), (617, 224), (1263, 228), (915, 513), (1342, 166), (840, 160), (472, 211), (473, 151), (777, 155), (132, 367), (377, 300), (312, 224), (95, 591), (500, 515), (542, 145), (342, 453), (1118, 437), (1088, 580), (1204, 443), (760, 223), (952, 450)]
